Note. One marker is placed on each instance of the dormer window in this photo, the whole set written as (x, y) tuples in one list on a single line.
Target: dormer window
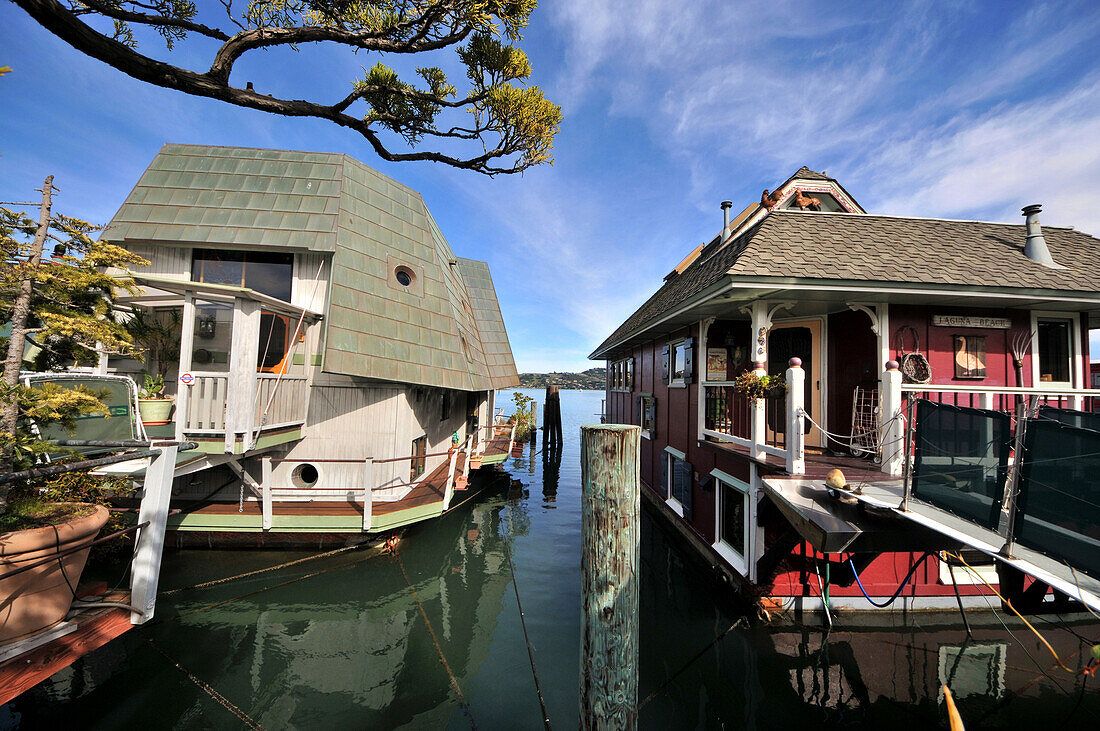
[(265, 272)]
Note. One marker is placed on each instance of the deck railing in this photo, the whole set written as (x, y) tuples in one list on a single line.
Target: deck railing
[(205, 405), (760, 425), (280, 400)]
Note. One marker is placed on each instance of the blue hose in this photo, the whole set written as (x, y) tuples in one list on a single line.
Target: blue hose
[(897, 593)]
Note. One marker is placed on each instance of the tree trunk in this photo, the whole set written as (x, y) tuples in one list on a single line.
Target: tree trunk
[(21, 310)]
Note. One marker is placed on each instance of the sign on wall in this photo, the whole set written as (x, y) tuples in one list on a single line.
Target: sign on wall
[(990, 323), (716, 364)]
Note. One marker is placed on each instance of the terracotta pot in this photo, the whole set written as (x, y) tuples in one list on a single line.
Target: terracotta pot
[(39, 598), (155, 411)]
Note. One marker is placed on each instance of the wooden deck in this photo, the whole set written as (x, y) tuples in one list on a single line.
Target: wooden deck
[(425, 500), (498, 448), (94, 628), (818, 464)]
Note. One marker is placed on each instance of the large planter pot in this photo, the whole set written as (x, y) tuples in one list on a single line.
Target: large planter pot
[(155, 411), (40, 598)]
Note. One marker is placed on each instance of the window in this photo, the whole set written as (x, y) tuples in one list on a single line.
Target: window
[(264, 272), (1054, 347), (732, 519), (213, 338), (647, 414), (678, 367), (445, 410), (676, 481), (621, 374), (419, 458), (970, 356)]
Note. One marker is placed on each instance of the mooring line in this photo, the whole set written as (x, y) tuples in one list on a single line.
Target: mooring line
[(689, 663), (523, 622), (245, 575), (261, 590), (438, 648), (218, 697)]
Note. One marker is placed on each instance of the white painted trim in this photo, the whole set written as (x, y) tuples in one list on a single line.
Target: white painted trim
[(675, 505), (736, 557), (723, 437), (1075, 372), (676, 453)]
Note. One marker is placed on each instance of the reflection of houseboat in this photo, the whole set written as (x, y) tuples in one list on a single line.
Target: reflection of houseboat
[(981, 316), (337, 363)]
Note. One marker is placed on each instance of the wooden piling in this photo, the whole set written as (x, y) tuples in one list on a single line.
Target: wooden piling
[(551, 419), (533, 431), (610, 514)]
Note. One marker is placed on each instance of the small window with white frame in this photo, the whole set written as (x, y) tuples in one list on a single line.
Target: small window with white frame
[(678, 364), (676, 482), (731, 520), (647, 415), (1055, 350)]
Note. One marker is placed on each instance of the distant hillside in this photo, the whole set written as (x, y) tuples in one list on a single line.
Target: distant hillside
[(592, 379)]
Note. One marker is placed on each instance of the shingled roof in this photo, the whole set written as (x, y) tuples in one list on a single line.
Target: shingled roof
[(450, 334), (805, 246)]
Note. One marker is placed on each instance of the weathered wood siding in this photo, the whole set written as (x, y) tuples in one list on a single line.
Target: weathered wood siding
[(173, 262)]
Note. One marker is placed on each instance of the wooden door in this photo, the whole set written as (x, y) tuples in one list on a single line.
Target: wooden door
[(800, 339)]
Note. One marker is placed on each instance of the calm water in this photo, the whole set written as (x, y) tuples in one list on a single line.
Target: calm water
[(341, 642)]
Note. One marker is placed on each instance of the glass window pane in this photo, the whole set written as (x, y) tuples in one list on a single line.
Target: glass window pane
[(213, 336), (269, 274), (1054, 351), (678, 359), (217, 267), (733, 518)]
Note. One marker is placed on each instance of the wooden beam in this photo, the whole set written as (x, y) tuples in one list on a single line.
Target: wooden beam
[(95, 629)]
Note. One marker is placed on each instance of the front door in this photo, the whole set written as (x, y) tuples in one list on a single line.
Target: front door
[(800, 339)]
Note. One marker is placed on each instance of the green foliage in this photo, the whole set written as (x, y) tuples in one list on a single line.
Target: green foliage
[(73, 302), (44, 405), (524, 415), (153, 386), (750, 385)]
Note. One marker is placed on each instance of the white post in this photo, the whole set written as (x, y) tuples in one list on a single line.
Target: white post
[(796, 422), (149, 545), (893, 433), (265, 486), (240, 408), (512, 437), (187, 343), (368, 492), (761, 323), (450, 489)]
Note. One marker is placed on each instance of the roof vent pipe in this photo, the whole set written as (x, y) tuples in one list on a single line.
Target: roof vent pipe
[(1035, 248), (726, 206)]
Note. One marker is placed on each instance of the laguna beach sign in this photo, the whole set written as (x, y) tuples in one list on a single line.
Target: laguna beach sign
[(991, 323)]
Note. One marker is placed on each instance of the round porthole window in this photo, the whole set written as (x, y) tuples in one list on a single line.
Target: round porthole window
[(304, 475), (404, 276)]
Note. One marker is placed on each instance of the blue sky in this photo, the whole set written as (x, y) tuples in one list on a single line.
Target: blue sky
[(960, 110)]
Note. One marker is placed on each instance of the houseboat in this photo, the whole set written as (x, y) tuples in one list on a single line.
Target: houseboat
[(334, 360), (810, 335)]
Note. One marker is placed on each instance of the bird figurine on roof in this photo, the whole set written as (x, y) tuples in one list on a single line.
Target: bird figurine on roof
[(769, 200), (803, 202)]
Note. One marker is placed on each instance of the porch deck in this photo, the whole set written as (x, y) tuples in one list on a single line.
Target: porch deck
[(499, 447), (818, 464), (425, 500)]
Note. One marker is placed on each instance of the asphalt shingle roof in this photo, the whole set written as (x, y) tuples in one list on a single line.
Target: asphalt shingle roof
[(885, 249)]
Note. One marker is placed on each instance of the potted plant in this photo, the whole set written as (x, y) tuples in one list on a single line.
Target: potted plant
[(752, 386), (153, 405)]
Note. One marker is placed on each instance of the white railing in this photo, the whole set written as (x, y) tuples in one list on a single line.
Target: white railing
[(765, 426), (280, 400), (205, 403)]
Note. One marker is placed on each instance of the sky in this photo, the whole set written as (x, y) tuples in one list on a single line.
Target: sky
[(939, 109)]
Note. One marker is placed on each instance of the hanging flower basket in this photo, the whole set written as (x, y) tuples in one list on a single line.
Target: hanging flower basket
[(750, 385)]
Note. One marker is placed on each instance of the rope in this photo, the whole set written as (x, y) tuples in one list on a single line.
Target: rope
[(1008, 604), (689, 663), (227, 579), (897, 593), (523, 622), (221, 699), (438, 648)]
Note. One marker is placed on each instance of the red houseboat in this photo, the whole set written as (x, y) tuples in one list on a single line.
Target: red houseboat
[(863, 314)]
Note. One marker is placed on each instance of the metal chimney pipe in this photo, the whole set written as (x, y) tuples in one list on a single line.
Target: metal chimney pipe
[(1035, 247), (726, 206)]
